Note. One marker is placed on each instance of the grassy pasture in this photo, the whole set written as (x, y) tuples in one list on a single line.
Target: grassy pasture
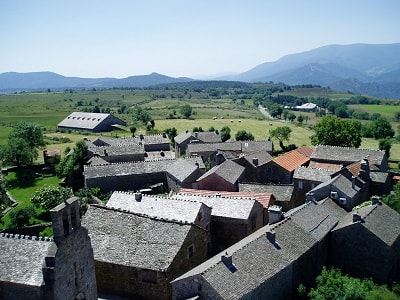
[(386, 111)]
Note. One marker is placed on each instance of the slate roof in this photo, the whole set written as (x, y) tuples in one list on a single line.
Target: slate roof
[(83, 120), (379, 177), (292, 159), (228, 170), (228, 207), (282, 192), (182, 137), (379, 219), (181, 169), (128, 239), (318, 218), (345, 154), (115, 150), (204, 137), (265, 199), (238, 146), (22, 258), (161, 207), (306, 173), (326, 166), (255, 258), (157, 155), (262, 157), (345, 185), (141, 167)]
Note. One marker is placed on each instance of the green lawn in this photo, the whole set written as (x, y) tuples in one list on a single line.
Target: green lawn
[(23, 194)]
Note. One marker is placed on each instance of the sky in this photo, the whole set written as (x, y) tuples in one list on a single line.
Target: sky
[(178, 38)]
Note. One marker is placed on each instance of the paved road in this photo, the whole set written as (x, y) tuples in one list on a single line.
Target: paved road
[(264, 111)]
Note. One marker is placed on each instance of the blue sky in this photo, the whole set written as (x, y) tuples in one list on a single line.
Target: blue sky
[(119, 38)]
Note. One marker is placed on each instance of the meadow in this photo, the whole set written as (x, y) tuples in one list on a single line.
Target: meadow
[(213, 107)]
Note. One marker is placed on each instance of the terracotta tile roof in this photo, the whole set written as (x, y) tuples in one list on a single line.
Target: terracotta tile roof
[(265, 199), (326, 166), (291, 160), (306, 151)]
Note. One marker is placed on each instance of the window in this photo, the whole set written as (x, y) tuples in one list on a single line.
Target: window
[(300, 185), (149, 276), (190, 251)]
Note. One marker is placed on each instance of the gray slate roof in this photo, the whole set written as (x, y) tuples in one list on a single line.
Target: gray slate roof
[(238, 146), (115, 150), (256, 260), (312, 174), (161, 207), (228, 170), (319, 218), (22, 258), (182, 169), (142, 139), (349, 155), (379, 219), (236, 208), (131, 240), (282, 192), (83, 120), (141, 167)]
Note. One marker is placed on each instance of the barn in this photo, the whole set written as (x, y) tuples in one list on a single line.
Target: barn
[(93, 122)]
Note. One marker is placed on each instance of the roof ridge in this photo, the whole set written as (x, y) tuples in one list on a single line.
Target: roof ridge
[(166, 220), (24, 237)]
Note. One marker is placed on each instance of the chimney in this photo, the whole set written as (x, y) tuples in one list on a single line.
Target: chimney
[(255, 161), (353, 182), (138, 196), (226, 259), (356, 217), (271, 236), (364, 169), (375, 200), (196, 135), (275, 214), (164, 135), (216, 132), (141, 136)]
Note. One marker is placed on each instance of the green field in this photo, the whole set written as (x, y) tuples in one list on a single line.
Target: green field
[(387, 111)]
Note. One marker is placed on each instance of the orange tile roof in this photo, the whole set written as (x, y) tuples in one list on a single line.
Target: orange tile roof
[(305, 151), (291, 160), (265, 199)]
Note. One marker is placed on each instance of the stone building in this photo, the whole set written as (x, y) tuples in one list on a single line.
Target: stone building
[(92, 122), (224, 177), (255, 164), (366, 243), (137, 256), (268, 264), (38, 268), (134, 176), (183, 139), (232, 219), (343, 156)]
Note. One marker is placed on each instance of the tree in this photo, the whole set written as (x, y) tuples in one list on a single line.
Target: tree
[(393, 199), (331, 130), (381, 128), (332, 284), (275, 110), (172, 133), (285, 113), (385, 144), (141, 115), (291, 116), (243, 135), (71, 166), (225, 133), (32, 133), (300, 118), (18, 153), (132, 129), (49, 196), (281, 134), (21, 217), (186, 111)]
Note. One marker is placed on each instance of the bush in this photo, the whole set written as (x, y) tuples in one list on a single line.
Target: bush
[(20, 217)]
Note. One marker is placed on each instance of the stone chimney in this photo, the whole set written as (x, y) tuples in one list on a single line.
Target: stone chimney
[(364, 170), (138, 196), (255, 161), (141, 136), (271, 236), (164, 135), (376, 200), (356, 217), (353, 182), (275, 214)]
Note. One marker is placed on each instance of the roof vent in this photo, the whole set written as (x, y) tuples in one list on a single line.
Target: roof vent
[(356, 218), (271, 235), (342, 201), (275, 214), (334, 195), (375, 200), (255, 161)]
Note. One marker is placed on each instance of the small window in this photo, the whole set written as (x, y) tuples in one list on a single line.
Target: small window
[(190, 251), (300, 184), (149, 276)]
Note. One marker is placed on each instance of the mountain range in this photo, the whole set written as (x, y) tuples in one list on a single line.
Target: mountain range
[(371, 69)]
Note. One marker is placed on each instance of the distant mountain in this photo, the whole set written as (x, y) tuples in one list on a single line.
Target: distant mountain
[(47, 80), (359, 68)]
